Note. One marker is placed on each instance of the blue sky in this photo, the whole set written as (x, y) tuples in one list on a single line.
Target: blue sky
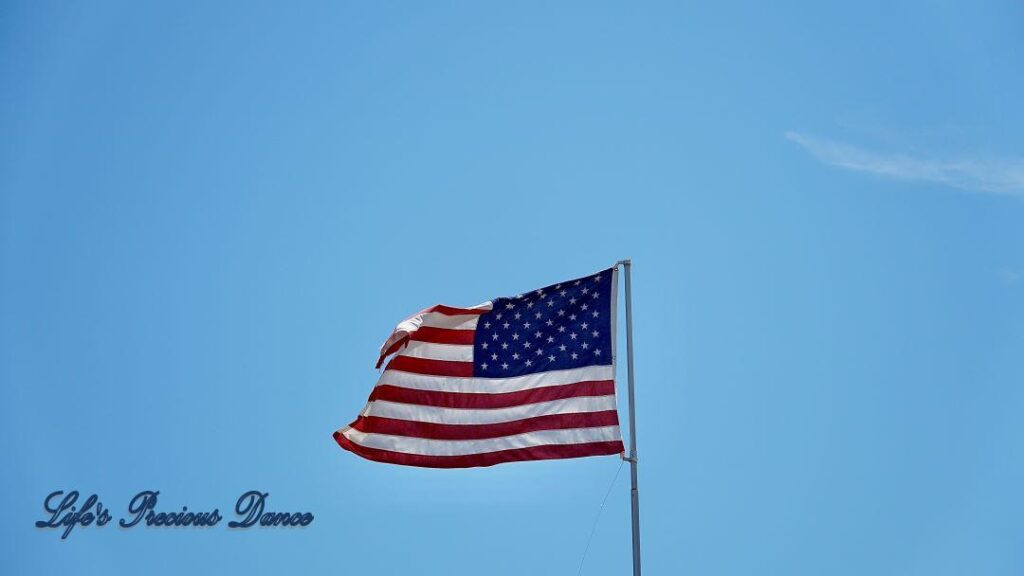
[(212, 215)]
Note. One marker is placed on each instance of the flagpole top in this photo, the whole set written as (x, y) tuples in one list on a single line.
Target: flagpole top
[(625, 262)]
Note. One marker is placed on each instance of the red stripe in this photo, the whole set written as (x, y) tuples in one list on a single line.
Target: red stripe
[(431, 367), (394, 348), (442, 335), (548, 452), (483, 401), (451, 311), (377, 425)]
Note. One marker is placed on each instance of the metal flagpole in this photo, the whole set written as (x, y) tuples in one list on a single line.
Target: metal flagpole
[(632, 459)]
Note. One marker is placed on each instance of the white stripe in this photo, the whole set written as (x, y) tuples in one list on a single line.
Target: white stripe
[(425, 447), (438, 320), (419, 413), (459, 322), (496, 385), (429, 350)]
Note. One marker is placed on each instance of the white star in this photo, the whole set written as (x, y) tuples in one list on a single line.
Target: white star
[(551, 303), (595, 333), (504, 365), (494, 356), (561, 312), (563, 293), (561, 328), (504, 345), (498, 316), (526, 344), (515, 356), (577, 283), (526, 325), (585, 346), (483, 345), (585, 290), (509, 306), (538, 314), (573, 335), (584, 325), (550, 339), (584, 307), (562, 347), (529, 304), (596, 294), (506, 325), (540, 352), (572, 300), (494, 336), (541, 291), (515, 336), (596, 313), (543, 296), (551, 358), (518, 316), (484, 365), (529, 362), (537, 334), (597, 352), (558, 286), (572, 316), (487, 324), (597, 278), (550, 322), (574, 356)]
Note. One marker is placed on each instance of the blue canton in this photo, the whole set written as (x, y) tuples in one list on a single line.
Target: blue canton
[(566, 325)]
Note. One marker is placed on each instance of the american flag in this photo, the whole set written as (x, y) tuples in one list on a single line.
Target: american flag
[(527, 377)]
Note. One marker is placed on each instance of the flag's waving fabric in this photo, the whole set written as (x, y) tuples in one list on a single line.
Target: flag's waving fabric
[(530, 377)]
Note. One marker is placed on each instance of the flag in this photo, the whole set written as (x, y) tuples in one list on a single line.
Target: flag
[(527, 377)]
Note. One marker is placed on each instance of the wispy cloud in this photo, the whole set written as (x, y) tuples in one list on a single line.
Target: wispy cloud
[(1009, 275), (994, 176)]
